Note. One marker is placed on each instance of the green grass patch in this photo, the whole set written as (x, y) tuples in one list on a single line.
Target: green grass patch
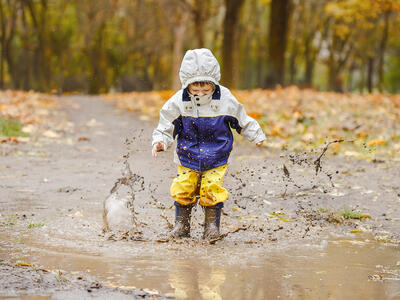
[(10, 127), (33, 225), (353, 214)]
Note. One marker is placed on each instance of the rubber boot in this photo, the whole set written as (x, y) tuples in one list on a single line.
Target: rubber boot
[(212, 220), (182, 221)]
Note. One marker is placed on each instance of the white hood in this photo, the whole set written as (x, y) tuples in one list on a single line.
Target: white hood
[(199, 65)]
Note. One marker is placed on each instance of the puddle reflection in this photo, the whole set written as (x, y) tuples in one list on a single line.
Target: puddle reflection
[(335, 269)]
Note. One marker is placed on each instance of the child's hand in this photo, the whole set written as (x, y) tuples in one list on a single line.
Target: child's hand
[(259, 143), (157, 148)]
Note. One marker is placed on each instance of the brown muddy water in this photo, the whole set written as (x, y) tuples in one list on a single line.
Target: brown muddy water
[(335, 268)]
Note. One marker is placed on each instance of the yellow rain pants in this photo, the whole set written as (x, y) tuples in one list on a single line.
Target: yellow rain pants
[(184, 188)]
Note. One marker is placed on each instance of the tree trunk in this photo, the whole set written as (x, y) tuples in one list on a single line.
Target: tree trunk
[(98, 64), (362, 79), (179, 30), (6, 39), (201, 7), (331, 72), (382, 49), (41, 67), (278, 31), (370, 74), (351, 82), (229, 45), (292, 65), (3, 44), (308, 74)]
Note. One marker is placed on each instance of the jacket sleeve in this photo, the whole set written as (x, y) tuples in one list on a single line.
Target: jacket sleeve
[(165, 129), (250, 128)]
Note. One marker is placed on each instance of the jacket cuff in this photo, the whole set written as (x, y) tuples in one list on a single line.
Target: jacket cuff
[(260, 138)]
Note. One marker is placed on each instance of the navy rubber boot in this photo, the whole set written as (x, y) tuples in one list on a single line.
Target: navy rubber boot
[(212, 221), (182, 221)]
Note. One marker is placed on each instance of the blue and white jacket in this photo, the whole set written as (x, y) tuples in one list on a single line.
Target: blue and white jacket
[(203, 131), (203, 127)]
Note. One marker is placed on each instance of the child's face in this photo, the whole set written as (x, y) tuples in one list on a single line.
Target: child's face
[(197, 89)]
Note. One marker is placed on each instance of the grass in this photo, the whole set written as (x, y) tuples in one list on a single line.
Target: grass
[(353, 214), (33, 225), (10, 127)]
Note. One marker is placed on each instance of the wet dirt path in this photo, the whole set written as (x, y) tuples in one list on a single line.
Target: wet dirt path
[(292, 244)]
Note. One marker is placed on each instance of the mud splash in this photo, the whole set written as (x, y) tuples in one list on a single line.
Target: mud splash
[(119, 212), (309, 160)]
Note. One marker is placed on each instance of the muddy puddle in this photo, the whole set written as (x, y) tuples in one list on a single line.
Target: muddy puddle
[(335, 268)]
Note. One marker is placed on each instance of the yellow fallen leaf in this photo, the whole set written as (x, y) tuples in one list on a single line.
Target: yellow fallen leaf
[(277, 213), (356, 231), (236, 209), (23, 264), (276, 130), (248, 218), (377, 143), (78, 214), (255, 115)]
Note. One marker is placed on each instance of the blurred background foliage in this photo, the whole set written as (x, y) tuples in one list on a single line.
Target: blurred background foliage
[(100, 46)]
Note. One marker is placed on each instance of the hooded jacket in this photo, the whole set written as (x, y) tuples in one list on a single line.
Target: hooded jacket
[(203, 130)]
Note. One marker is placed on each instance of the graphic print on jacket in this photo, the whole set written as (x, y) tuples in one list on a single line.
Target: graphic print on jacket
[(204, 143)]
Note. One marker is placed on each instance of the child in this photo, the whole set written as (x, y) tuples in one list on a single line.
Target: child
[(201, 116)]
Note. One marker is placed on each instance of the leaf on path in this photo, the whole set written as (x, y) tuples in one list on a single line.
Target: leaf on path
[(336, 193), (247, 218), (277, 213), (23, 264), (30, 128), (93, 123), (377, 143), (51, 134), (77, 214), (9, 139)]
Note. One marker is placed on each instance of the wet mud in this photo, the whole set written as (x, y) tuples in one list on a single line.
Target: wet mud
[(296, 225)]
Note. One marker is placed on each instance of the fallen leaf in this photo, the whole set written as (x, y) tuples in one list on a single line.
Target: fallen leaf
[(377, 143), (51, 134), (82, 139), (93, 123)]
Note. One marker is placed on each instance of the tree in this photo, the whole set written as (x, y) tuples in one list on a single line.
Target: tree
[(8, 17), (229, 45), (278, 33)]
